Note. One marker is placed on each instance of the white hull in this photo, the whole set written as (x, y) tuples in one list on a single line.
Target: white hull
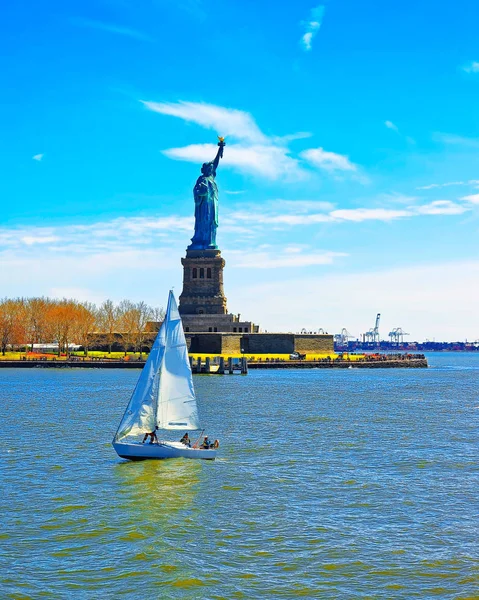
[(138, 451)]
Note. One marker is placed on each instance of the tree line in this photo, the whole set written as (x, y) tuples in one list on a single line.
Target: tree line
[(28, 321)]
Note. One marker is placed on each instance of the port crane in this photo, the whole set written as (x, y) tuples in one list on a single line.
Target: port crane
[(341, 339), (373, 334), (397, 335)]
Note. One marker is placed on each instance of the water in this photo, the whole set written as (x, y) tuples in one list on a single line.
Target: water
[(330, 484)]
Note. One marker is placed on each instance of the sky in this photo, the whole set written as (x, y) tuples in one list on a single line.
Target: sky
[(350, 179)]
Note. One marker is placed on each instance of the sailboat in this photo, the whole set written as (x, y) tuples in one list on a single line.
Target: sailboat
[(163, 399)]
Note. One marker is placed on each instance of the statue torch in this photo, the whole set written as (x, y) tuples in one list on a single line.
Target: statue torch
[(221, 144)]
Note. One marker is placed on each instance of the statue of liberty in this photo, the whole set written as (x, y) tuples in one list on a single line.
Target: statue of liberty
[(205, 193)]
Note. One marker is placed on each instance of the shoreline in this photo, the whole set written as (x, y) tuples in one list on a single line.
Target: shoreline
[(411, 363)]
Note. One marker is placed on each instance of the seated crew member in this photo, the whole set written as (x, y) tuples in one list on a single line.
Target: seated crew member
[(205, 445), (152, 435), (186, 440)]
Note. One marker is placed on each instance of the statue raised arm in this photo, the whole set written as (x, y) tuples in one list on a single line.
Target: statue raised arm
[(219, 154)]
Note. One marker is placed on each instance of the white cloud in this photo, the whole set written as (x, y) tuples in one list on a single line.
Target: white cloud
[(290, 258), (108, 236), (289, 213), (301, 206), (38, 157), (291, 137), (113, 28), (329, 161), (256, 153), (473, 198), (369, 214), (312, 27), (441, 207), (269, 161), (393, 127), (225, 121), (279, 219), (30, 240), (455, 140), (432, 186), (472, 67), (390, 125)]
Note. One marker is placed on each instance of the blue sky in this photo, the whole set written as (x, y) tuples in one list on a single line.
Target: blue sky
[(350, 179)]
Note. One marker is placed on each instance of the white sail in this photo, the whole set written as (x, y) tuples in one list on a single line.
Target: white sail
[(176, 399), (164, 395), (140, 414)]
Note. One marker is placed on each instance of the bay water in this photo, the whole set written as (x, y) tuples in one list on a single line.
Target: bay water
[(348, 483)]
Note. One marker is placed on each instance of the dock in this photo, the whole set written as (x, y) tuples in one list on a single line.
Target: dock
[(411, 363)]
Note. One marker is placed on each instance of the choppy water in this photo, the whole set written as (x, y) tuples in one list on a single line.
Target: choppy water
[(331, 484)]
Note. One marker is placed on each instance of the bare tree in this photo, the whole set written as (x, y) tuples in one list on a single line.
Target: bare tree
[(36, 326), (108, 322), (144, 314), (12, 329), (128, 319), (61, 316), (157, 314), (85, 324)]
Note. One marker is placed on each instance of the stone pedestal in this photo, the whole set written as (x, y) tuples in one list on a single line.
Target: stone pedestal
[(203, 292)]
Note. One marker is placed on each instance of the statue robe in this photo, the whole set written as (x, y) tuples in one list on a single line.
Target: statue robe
[(205, 193)]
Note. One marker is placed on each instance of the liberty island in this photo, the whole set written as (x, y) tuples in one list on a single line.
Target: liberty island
[(208, 326)]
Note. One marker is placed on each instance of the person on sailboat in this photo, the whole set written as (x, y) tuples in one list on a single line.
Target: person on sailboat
[(205, 445), (152, 435), (186, 440)]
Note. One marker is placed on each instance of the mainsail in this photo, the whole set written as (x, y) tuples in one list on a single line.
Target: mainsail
[(164, 395)]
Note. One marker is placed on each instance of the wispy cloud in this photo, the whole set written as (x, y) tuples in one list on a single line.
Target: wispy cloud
[(278, 258), (287, 214), (369, 214), (282, 219), (441, 207), (329, 161), (268, 161), (473, 198), (30, 240), (113, 28), (118, 234), (471, 67), (225, 121), (38, 157), (126, 234), (250, 151), (292, 137), (302, 206), (391, 125), (432, 186), (457, 140), (312, 26)]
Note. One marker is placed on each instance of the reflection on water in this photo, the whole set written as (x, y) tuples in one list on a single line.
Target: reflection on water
[(329, 485), (155, 490)]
